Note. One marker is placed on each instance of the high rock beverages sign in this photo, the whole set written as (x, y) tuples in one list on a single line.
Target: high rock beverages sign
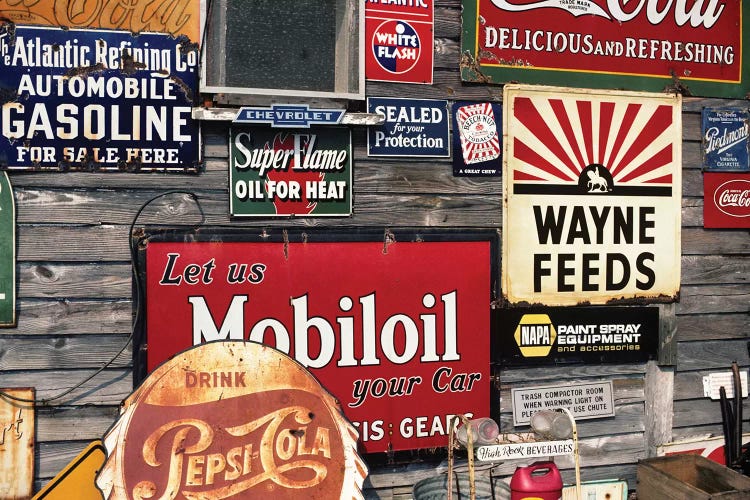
[(403, 348), (231, 420), (693, 47), (592, 189)]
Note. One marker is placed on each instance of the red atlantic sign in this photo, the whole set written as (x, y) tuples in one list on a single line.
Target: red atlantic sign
[(726, 201), (399, 335), (399, 40)]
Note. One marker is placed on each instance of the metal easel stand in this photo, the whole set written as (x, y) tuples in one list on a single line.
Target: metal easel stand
[(576, 455), (469, 447)]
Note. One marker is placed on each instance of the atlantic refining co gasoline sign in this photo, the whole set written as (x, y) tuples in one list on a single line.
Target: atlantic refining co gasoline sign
[(300, 172), (97, 100), (635, 45), (592, 188)]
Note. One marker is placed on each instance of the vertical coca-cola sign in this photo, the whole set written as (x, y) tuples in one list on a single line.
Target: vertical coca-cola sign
[(398, 330)]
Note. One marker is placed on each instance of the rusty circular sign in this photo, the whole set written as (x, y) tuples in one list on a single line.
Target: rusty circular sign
[(231, 420)]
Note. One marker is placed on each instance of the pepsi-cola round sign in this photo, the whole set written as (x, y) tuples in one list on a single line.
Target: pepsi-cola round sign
[(396, 46)]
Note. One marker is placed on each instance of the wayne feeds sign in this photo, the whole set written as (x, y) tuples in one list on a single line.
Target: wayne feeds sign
[(592, 185), (693, 46)]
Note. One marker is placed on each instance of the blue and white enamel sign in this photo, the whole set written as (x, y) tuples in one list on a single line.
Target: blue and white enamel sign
[(289, 115), (725, 139), (412, 127), (97, 100)]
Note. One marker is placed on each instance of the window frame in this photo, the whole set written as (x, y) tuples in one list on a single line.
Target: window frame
[(342, 55)]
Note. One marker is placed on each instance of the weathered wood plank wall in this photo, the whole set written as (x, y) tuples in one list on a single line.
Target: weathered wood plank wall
[(74, 290)]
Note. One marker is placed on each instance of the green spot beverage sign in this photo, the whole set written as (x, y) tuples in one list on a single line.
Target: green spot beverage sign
[(290, 172), (7, 253)]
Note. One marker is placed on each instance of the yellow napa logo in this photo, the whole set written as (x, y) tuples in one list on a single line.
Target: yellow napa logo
[(535, 335)]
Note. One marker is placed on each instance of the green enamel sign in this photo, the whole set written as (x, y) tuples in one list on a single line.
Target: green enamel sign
[(7, 253), (290, 172)]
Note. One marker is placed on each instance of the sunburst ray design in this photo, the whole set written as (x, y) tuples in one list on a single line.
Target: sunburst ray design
[(554, 139)]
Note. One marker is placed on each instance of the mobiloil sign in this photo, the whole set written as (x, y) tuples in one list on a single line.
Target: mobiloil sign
[(403, 348)]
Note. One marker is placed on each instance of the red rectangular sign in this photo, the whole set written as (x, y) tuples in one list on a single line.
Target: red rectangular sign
[(726, 200), (694, 46), (399, 41), (398, 334)]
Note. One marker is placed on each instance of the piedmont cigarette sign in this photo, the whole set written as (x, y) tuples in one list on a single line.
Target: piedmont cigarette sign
[(592, 184), (302, 172), (97, 100), (693, 46), (725, 139), (231, 420), (402, 347), (399, 40), (7, 253)]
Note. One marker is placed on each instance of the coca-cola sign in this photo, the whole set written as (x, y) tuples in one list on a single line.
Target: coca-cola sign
[(398, 330), (726, 200), (694, 47), (231, 420)]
